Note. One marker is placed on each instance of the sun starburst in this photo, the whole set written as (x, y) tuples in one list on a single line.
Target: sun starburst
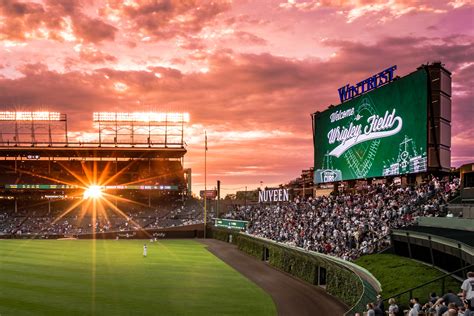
[(93, 192), (92, 197)]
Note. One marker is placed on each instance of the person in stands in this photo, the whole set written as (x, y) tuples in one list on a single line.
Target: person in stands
[(415, 307), (393, 308), (433, 298), (452, 310), (467, 288), (442, 303), (468, 309), (379, 306), (370, 309)]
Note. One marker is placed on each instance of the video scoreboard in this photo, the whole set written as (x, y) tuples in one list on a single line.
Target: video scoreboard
[(380, 133)]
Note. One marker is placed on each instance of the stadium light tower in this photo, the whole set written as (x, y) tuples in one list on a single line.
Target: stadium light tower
[(158, 127), (30, 116), (12, 124)]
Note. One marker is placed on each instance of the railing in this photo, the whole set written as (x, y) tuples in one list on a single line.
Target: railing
[(442, 285), (379, 245), (368, 296)]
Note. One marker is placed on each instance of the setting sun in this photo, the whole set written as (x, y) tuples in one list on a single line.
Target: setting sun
[(93, 192)]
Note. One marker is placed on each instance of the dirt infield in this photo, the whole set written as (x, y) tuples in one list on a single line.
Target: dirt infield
[(291, 296)]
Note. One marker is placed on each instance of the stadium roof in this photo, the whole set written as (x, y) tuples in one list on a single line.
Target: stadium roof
[(88, 151)]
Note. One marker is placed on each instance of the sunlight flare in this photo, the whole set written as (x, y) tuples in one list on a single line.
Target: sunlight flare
[(93, 192)]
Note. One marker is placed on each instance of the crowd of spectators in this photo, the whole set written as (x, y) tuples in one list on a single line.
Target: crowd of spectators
[(33, 172), (347, 225), (59, 220), (449, 304)]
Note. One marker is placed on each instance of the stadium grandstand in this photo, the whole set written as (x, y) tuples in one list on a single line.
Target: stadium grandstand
[(393, 193), (348, 224), (134, 164)]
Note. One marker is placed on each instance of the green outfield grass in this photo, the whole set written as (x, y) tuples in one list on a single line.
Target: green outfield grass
[(85, 277)]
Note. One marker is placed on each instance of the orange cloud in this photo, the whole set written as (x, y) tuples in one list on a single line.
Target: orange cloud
[(386, 9), (248, 74), (158, 20), (55, 20)]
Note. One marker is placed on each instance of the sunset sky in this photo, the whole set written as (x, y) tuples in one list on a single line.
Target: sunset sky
[(248, 72)]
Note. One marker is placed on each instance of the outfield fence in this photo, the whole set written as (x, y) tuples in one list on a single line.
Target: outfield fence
[(351, 284)]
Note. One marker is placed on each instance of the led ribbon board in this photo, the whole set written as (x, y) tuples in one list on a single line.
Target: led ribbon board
[(230, 223), (105, 187), (381, 133)]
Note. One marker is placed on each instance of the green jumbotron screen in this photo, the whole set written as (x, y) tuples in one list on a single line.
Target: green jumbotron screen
[(381, 133)]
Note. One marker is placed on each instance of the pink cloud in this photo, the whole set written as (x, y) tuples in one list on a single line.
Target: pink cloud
[(160, 20), (248, 74), (381, 10), (55, 20)]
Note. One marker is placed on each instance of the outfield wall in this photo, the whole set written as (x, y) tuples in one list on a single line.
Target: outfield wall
[(351, 284), (188, 231), (447, 222), (434, 248)]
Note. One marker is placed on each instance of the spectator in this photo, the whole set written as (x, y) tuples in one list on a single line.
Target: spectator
[(370, 309), (442, 303), (393, 308), (379, 306), (452, 310), (468, 309), (433, 298), (416, 303), (415, 307), (467, 288)]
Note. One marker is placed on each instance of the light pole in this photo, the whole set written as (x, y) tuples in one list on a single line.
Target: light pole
[(205, 182), (304, 185), (245, 196), (218, 198)]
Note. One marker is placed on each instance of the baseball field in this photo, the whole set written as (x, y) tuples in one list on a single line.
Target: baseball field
[(110, 277)]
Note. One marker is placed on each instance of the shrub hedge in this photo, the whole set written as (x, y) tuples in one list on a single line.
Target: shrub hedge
[(341, 282)]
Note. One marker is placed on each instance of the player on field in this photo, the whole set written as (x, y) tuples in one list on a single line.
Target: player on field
[(144, 250)]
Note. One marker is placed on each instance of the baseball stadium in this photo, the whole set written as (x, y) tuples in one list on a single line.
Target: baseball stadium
[(380, 224)]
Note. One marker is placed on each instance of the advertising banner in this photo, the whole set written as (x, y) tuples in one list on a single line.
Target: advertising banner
[(230, 223), (210, 194), (273, 195)]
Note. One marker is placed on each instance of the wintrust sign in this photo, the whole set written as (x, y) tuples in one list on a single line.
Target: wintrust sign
[(351, 91)]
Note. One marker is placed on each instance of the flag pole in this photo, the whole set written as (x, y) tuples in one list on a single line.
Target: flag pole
[(205, 182)]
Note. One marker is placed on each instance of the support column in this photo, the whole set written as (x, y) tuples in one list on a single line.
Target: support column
[(409, 246), (431, 251)]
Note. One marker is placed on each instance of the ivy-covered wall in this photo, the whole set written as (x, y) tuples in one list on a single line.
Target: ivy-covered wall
[(340, 281)]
